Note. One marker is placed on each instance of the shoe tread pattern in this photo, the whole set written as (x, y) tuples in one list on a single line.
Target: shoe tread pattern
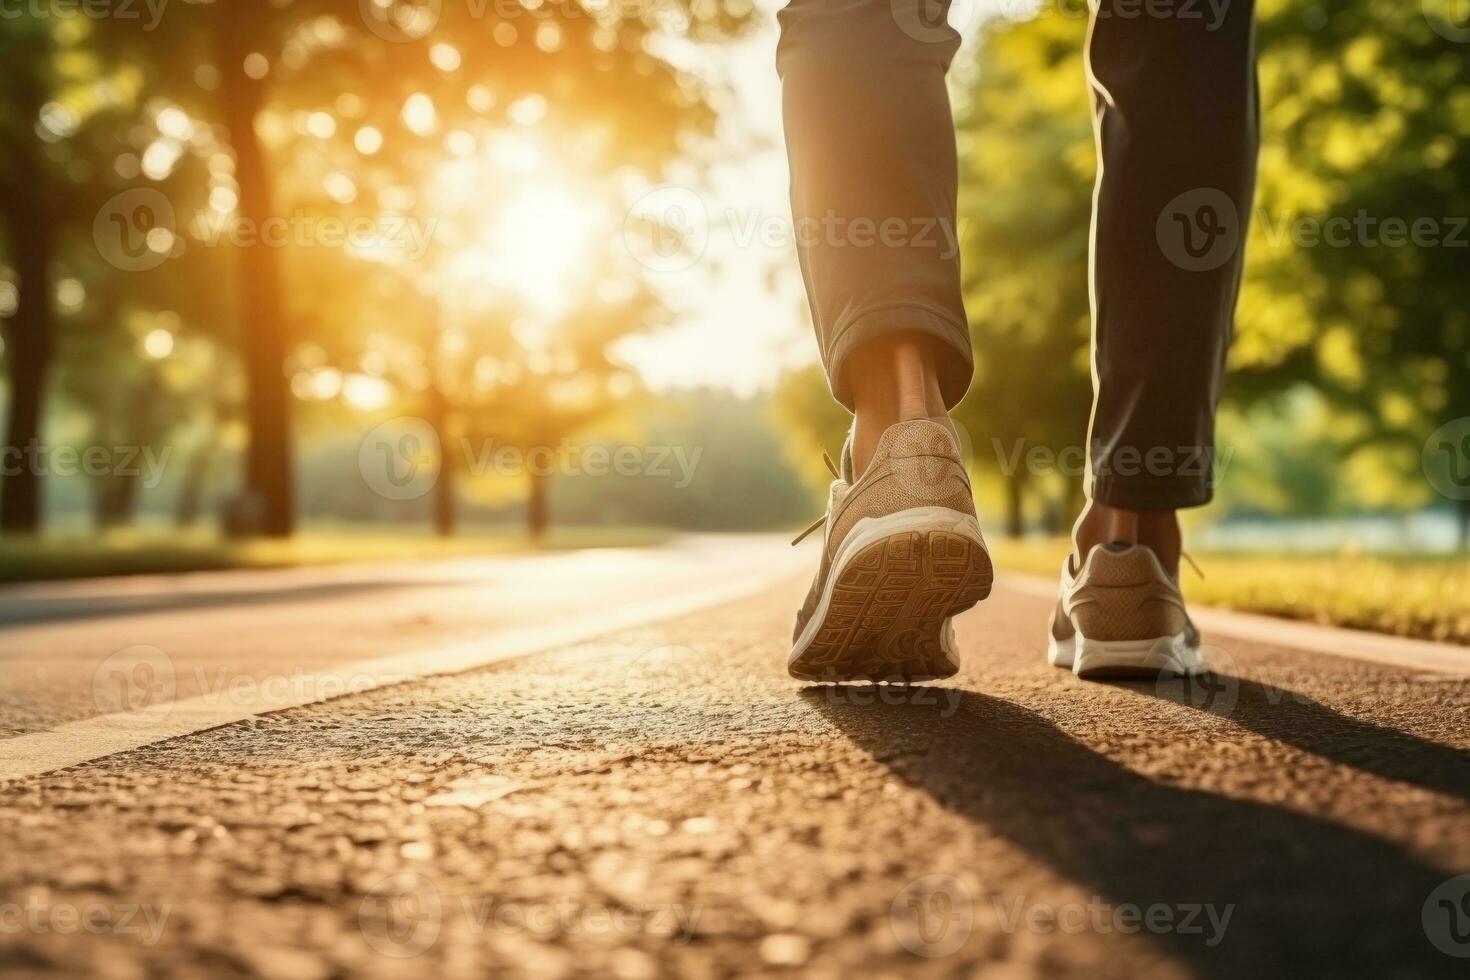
[(888, 608)]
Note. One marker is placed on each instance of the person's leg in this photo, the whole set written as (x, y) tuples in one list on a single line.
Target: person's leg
[(894, 378), (873, 186), (1176, 118)]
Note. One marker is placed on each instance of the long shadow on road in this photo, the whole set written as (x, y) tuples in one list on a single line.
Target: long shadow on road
[(1294, 719), (1310, 897)]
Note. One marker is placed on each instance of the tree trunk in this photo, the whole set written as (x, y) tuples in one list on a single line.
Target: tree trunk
[(190, 501), (537, 506), (438, 411), (1054, 516), (264, 342), (445, 516), (1015, 505), (114, 500), (28, 341), (1464, 511)]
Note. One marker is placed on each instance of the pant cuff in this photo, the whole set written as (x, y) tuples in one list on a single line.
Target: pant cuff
[(956, 363), (1131, 493)]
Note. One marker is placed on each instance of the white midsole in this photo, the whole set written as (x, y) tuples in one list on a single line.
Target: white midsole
[(869, 530), (1166, 654), (1059, 653)]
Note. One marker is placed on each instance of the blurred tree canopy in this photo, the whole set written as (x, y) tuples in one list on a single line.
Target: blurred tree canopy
[(1027, 167), (1360, 254), (182, 180)]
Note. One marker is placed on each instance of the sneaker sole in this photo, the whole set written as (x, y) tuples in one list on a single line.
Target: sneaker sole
[(884, 615), (1149, 659)]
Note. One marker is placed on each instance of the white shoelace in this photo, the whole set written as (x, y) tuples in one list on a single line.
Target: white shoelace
[(832, 468)]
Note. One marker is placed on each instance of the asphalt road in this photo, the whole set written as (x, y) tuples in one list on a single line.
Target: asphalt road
[(662, 800)]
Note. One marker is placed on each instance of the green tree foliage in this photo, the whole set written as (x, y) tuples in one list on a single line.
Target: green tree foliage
[(1360, 251), (1353, 337), (813, 423), (1027, 166)]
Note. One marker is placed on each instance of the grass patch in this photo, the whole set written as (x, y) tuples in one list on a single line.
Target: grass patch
[(149, 551), (1421, 596)]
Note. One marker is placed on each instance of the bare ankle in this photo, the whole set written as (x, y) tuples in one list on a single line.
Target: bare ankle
[(894, 379), (1102, 524)]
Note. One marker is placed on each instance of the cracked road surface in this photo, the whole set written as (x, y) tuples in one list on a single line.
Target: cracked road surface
[(662, 800)]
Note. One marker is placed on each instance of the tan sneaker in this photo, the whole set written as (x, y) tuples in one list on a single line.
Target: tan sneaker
[(902, 554), (1121, 615)]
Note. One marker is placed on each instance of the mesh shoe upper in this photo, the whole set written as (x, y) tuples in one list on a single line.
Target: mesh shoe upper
[(916, 464), (1121, 592)]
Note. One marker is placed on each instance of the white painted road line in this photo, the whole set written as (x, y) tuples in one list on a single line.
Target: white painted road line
[(82, 741), (1332, 641)]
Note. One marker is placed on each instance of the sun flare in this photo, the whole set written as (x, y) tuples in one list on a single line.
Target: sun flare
[(533, 248)]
